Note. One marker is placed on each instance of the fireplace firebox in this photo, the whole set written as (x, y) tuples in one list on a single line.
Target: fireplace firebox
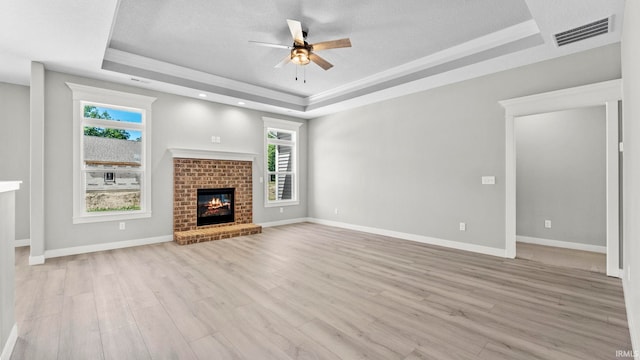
[(215, 206)]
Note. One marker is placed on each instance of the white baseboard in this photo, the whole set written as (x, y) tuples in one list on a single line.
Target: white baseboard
[(283, 222), (10, 344), (36, 260), (632, 312), (561, 244), (22, 242), (413, 237), (106, 246)]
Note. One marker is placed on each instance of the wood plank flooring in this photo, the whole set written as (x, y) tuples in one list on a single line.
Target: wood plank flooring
[(308, 291), (568, 258)]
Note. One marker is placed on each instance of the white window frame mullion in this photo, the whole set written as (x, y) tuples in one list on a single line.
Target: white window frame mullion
[(112, 124), (87, 95), (293, 128)]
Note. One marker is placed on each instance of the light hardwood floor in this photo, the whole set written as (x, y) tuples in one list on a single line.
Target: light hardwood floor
[(307, 291), (568, 258)]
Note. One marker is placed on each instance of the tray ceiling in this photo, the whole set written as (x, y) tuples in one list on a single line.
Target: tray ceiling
[(213, 36), (202, 47)]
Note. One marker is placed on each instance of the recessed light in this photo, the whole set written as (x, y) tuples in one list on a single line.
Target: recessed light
[(202, 95), (240, 102)]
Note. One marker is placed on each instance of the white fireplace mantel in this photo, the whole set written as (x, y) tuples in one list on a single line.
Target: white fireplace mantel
[(211, 154)]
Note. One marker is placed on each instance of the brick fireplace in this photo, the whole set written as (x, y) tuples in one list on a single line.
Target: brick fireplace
[(193, 170)]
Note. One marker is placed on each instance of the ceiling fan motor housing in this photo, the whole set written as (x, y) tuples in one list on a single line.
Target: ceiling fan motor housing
[(300, 55), (301, 52)]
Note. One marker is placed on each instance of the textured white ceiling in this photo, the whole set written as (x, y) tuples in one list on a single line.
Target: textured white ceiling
[(212, 36)]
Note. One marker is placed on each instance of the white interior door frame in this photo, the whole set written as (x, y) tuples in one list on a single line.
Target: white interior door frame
[(606, 93)]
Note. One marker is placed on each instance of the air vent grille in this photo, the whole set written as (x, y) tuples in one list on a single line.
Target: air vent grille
[(583, 32)]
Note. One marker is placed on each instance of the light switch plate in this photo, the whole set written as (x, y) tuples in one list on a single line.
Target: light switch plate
[(488, 180)]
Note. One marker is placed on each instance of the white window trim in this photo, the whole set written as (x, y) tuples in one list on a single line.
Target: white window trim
[(113, 99), (294, 127)]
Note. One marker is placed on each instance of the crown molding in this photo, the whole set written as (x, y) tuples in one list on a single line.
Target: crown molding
[(157, 66), (483, 43), (118, 60)]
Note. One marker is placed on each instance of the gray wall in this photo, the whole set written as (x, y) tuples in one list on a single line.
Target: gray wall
[(177, 122), (14, 148), (561, 175), (631, 164), (414, 164)]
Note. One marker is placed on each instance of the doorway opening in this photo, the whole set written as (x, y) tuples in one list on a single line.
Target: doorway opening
[(607, 93), (561, 188)]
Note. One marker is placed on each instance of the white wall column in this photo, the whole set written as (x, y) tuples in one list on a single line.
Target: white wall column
[(36, 160)]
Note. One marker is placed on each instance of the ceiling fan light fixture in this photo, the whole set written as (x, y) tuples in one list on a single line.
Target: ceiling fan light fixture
[(303, 53), (300, 56)]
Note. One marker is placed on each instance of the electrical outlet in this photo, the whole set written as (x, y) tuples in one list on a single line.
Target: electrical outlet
[(281, 210), (122, 225), (547, 224), (463, 226), (335, 211)]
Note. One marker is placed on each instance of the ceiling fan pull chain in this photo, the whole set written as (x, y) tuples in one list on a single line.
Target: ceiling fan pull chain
[(296, 73), (304, 74)]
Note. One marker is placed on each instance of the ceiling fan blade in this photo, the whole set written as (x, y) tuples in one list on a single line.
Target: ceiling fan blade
[(278, 46), (320, 61), (333, 44), (296, 31), (284, 61)]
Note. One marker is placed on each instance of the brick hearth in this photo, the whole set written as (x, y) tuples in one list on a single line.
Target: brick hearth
[(189, 175)]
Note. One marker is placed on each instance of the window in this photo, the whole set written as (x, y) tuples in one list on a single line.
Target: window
[(281, 162), (109, 177), (111, 155)]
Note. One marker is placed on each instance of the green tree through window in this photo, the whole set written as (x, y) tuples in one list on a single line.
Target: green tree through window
[(92, 112)]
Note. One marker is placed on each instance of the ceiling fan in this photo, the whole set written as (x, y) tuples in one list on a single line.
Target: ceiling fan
[(302, 53)]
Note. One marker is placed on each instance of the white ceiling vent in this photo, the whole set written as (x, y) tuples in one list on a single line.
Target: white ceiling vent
[(583, 32)]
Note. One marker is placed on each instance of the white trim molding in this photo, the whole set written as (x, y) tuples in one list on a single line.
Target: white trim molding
[(580, 96), (393, 234), (48, 254), (561, 244), (294, 143), (283, 222), (211, 154), (413, 237), (6, 186), (634, 331), (88, 95), (7, 350), (36, 260), (487, 42), (607, 94), (22, 242)]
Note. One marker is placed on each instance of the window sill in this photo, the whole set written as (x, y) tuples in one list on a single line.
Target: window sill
[(281, 203), (86, 219)]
